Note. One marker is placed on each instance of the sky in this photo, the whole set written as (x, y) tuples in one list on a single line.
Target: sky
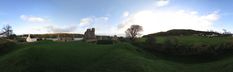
[(113, 17)]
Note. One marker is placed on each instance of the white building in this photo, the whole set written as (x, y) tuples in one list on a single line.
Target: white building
[(29, 39), (52, 39), (78, 39)]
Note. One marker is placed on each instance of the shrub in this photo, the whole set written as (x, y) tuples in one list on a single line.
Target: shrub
[(6, 46), (20, 39), (170, 42), (151, 41), (122, 39), (176, 46)]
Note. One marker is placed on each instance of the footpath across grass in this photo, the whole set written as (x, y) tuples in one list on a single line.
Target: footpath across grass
[(47, 56)]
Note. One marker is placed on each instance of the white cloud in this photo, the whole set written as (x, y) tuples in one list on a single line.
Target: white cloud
[(105, 18), (126, 14), (50, 27), (32, 19), (45, 28), (55, 29), (90, 21), (161, 21), (32, 25), (31, 29), (161, 3), (101, 24), (86, 21)]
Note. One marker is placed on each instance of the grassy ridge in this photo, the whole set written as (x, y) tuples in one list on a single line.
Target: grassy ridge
[(84, 57), (6, 46), (70, 57), (187, 40), (187, 45)]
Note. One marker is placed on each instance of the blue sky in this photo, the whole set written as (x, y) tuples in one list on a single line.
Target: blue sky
[(113, 17)]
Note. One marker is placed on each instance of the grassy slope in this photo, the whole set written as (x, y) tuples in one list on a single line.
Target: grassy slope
[(196, 39), (84, 57), (190, 40)]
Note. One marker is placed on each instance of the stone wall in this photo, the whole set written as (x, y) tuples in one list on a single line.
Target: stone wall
[(89, 35)]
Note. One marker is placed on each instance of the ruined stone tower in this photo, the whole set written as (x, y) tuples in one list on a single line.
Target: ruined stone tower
[(89, 35)]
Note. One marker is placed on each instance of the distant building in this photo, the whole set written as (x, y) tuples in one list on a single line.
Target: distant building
[(78, 39), (63, 37), (212, 35), (1, 36), (89, 35), (29, 39), (66, 37), (52, 39), (115, 38)]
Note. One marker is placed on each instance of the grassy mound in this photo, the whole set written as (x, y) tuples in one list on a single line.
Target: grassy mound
[(84, 57), (71, 57), (188, 45), (189, 40), (6, 46)]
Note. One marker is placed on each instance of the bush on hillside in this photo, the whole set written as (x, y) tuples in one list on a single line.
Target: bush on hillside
[(171, 42), (20, 39), (6, 46), (172, 46), (122, 39), (151, 41)]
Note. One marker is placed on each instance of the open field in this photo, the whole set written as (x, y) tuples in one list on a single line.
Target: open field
[(49, 56)]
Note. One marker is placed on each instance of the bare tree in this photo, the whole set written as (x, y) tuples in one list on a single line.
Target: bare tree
[(133, 31), (7, 31), (226, 32)]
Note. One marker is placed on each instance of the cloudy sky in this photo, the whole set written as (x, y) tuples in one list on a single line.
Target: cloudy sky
[(113, 17)]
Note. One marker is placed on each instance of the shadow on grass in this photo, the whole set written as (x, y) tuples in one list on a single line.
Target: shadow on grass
[(188, 59)]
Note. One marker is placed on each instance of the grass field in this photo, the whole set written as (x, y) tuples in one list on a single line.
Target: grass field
[(49, 56), (197, 39), (187, 40)]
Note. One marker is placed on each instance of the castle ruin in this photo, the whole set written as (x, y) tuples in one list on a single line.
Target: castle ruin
[(89, 35)]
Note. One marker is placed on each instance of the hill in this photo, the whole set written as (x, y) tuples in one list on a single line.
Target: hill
[(84, 57), (6, 46), (184, 32)]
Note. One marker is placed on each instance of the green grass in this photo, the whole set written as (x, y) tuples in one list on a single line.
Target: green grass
[(49, 56), (189, 40)]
